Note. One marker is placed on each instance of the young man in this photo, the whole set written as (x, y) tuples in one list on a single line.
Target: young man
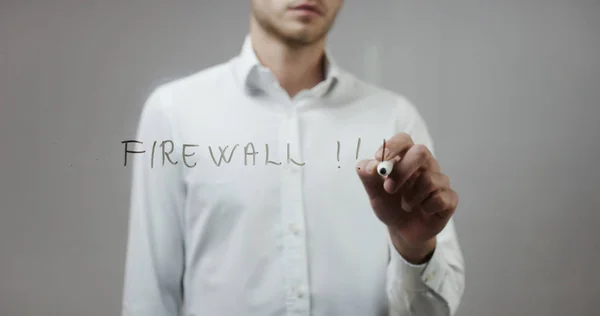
[(250, 200)]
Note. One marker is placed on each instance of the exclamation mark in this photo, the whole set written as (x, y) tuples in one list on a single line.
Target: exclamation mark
[(338, 153)]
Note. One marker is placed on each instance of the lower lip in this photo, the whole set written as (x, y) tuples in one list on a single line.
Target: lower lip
[(305, 12)]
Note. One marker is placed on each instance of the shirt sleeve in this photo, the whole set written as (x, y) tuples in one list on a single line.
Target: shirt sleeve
[(155, 246), (433, 288)]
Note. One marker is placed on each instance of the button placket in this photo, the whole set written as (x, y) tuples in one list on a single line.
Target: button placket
[(294, 250)]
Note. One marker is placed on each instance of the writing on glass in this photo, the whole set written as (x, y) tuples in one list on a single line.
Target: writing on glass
[(220, 155)]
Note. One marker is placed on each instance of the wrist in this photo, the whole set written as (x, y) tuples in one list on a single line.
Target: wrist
[(414, 253)]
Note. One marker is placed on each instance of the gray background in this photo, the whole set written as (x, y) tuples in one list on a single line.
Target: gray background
[(510, 90)]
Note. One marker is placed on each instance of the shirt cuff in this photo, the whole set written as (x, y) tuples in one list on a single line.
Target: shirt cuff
[(416, 277)]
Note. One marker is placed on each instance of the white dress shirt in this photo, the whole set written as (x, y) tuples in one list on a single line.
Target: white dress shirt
[(280, 224)]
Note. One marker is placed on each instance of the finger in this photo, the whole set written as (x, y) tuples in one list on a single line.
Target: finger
[(417, 157), (425, 185), (405, 203), (442, 203), (372, 181), (395, 146), (391, 183), (406, 189)]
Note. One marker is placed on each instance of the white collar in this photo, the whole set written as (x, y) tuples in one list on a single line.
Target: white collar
[(247, 63)]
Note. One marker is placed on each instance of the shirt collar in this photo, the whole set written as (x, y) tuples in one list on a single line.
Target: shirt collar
[(248, 66)]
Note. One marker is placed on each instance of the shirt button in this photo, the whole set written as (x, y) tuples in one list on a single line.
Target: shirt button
[(300, 293), (294, 229)]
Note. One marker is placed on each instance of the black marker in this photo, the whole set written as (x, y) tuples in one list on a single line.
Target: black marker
[(385, 167)]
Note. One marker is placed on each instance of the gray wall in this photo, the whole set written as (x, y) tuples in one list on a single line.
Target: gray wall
[(509, 88)]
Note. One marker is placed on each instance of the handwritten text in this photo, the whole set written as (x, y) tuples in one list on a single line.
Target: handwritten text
[(219, 155)]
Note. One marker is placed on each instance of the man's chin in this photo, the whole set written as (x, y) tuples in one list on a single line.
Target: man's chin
[(302, 37)]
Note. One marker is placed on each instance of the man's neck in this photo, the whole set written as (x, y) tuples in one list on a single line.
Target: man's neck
[(296, 69)]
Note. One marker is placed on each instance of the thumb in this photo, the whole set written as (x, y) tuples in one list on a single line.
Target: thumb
[(372, 181)]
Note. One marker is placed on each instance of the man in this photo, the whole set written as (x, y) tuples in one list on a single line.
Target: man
[(251, 200)]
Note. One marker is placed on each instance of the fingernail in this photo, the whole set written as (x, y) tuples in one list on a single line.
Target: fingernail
[(372, 165), (361, 164), (405, 206)]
